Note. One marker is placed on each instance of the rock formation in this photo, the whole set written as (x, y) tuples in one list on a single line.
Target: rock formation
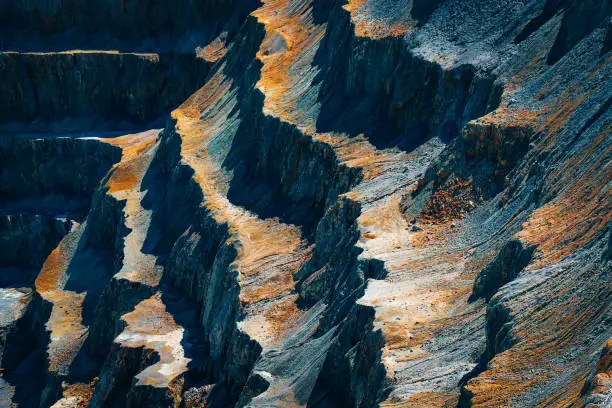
[(321, 203)]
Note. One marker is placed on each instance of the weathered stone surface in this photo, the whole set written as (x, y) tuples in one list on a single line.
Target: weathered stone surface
[(367, 203), (44, 90)]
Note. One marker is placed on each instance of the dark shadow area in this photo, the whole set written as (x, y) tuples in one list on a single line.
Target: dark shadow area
[(89, 271), (17, 277), (41, 25), (128, 362), (174, 199), (510, 261), (185, 314), (55, 206), (607, 45), (277, 170), (24, 355), (52, 177), (352, 370), (118, 298), (95, 90), (380, 89), (499, 339), (551, 8), (25, 243), (172, 196), (580, 19), (57, 80), (423, 9)]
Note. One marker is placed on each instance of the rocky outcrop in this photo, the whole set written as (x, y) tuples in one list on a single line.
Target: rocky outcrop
[(512, 258), (52, 176), (578, 22), (367, 203), (43, 88), (390, 93)]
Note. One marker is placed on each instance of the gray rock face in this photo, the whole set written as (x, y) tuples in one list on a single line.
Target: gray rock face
[(512, 259), (365, 203)]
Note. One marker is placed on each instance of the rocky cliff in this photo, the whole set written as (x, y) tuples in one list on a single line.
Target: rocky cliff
[(322, 203)]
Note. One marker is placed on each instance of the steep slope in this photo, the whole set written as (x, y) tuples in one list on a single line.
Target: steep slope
[(367, 203)]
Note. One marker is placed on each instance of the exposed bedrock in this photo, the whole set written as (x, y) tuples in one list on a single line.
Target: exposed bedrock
[(512, 258), (271, 247), (200, 267), (45, 183), (195, 273), (352, 374), (119, 297), (76, 279), (578, 21), (52, 176), (109, 232), (518, 307), (308, 176), (58, 180), (396, 98), (335, 275), (115, 386), (25, 242), (174, 197), (281, 172), (23, 356), (80, 90), (118, 23), (483, 154)]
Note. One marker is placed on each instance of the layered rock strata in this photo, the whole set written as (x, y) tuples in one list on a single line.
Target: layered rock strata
[(367, 203)]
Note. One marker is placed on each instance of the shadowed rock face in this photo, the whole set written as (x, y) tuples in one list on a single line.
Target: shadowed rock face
[(73, 87), (311, 203), (45, 25)]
